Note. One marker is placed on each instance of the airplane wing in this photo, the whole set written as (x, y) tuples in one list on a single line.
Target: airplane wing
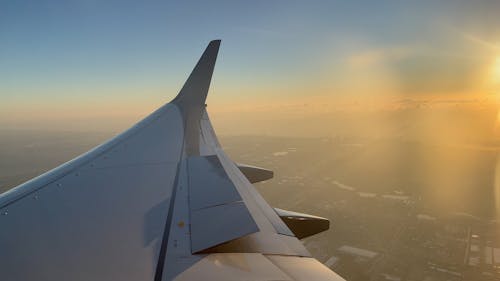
[(161, 201)]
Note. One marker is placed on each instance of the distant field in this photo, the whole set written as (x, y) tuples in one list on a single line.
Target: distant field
[(440, 178)]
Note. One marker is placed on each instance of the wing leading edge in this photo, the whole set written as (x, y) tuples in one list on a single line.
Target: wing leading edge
[(161, 201)]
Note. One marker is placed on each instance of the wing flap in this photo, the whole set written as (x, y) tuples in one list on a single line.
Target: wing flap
[(234, 267), (304, 268), (208, 229), (208, 183), (212, 195)]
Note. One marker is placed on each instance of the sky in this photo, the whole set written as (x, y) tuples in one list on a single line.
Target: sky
[(284, 67)]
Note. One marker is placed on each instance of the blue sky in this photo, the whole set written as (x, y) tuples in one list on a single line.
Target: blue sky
[(78, 53)]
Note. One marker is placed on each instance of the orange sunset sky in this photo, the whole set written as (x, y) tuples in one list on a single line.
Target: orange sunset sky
[(305, 68)]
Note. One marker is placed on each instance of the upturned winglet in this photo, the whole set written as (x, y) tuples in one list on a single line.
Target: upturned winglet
[(195, 89), (191, 99)]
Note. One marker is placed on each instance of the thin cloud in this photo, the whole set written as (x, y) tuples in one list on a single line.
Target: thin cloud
[(480, 41), (375, 57)]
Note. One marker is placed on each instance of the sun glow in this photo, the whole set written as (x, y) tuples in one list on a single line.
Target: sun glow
[(495, 78), (496, 71)]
